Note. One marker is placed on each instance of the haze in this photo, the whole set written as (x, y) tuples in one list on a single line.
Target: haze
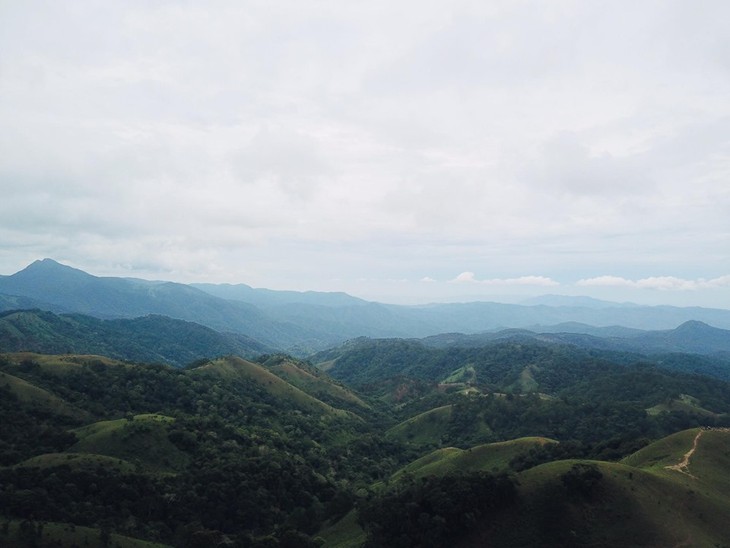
[(400, 151)]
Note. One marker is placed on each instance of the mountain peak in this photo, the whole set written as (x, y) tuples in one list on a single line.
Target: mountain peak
[(45, 267), (694, 325)]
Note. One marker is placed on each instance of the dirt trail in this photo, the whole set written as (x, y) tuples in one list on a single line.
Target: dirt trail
[(684, 463)]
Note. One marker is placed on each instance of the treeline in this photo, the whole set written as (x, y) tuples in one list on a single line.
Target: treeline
[(260, 470), (435, 511)]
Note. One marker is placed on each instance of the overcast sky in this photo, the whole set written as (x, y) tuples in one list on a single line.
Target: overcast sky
[(404, 151)]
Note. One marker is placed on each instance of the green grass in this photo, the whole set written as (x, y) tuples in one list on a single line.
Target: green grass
[(462, 375), (424, 429), (683, 403), (142, 441), (638, 502), (67, 536), (490, 457), (664, 452), (238, 368), (345, 533), (29, 393), (314, 385)]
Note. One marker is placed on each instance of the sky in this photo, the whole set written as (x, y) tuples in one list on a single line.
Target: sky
[(402, 151)]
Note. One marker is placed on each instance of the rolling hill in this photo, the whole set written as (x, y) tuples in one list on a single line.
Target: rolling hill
[(666, 494), (146, 339)]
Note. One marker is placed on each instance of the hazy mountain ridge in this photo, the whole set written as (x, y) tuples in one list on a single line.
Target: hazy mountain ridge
[(73, 290), (304, 322), (692, 337), (269, 297)]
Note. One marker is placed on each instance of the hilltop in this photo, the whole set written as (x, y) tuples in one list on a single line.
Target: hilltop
[(667, 494)]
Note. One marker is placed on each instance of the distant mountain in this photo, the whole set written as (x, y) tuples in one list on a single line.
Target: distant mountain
[(305, 322), (483, 316), (269, 297), (73, 290), (156, 339), (691, 337), (569, 300)]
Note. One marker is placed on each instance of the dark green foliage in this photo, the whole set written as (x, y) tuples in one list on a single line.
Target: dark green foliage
[(435, 511), (598, 403), (27, 430), (582, 480), (258, 464), (149, 339)]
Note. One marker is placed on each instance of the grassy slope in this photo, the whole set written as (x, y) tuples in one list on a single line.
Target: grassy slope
[(142, 441), (29, 393), (315, 385), (238, 368), (630, 507), (424, 429), (684, 403), (490, 457), (428, 428), (345, 533), (638, 502)]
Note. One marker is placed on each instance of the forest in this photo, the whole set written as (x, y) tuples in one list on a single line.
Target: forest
[(277, 451)]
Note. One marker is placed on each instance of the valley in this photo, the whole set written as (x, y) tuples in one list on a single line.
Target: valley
[(157, 430)]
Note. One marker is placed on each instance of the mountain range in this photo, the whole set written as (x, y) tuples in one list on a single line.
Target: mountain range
[(304, 322), (558, 422)]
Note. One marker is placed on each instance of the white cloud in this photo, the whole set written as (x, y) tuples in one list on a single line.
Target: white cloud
[(385, 138), (470, 277), (662, 283)]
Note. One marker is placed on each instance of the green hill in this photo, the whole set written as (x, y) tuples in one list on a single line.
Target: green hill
[(142, 440), (490, 457), (312, 381), (152, 338), (233, 368), (42, 399), (673, 492), (427, 428), (231, 450)]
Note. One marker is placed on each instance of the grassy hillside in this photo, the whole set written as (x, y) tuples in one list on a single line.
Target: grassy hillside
[(142, 440), (611, 504), (311, 380), (266, 453), (427, 428), (227, 449), (232, 368), (38, 397), (643, 501), (491, 457), (151, 338)]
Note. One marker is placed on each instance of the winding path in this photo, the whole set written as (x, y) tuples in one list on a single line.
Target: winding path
[(682, 465)]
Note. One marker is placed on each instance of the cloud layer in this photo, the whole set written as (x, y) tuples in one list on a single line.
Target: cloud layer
[(318, 144)]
